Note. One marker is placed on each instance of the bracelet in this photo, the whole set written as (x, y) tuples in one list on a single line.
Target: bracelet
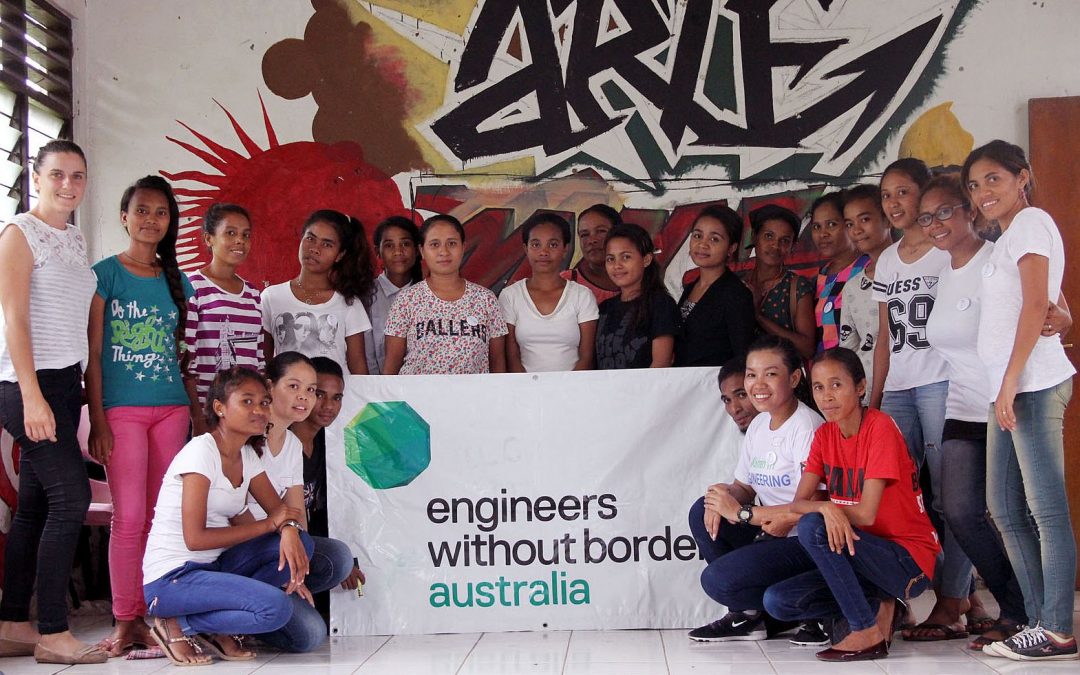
[(291, 523)]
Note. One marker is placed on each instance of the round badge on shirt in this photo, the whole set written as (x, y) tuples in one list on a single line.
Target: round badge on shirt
[(988, 269), (963, 303), (827, 308), (472, 320)]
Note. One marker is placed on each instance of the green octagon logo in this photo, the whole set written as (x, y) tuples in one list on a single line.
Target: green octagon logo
[(387, 444)]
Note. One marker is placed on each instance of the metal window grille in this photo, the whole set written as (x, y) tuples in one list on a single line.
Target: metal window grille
[(35, 92)]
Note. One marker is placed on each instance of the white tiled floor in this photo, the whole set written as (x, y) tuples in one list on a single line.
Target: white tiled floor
[(641, 652)]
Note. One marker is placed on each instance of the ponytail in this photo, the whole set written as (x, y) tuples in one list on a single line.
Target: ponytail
[(352, 275)]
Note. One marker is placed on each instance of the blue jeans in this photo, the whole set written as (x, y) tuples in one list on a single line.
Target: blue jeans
[(54, 494), (1025, 485), (919, 412), (331, 562), (728, 538), (964, 504), (239, 593), (841, 584)]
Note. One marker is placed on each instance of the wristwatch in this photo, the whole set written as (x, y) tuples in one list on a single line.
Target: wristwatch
[(746, 513), (291, 523)]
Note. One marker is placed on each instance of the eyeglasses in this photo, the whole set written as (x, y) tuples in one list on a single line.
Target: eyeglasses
[(941, 215)]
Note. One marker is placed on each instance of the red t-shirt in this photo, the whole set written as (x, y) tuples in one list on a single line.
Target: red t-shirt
[(877, 451)]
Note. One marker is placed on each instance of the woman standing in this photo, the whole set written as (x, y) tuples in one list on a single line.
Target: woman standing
[(1030, 385), (46, 285), (397, 245), (716, 310), (134, 389), (911, 379), (841, 263), (783, 300), (551, 320), (871, 234), (334, 282), (949, 221), (224, 319), (445, 324), (637, 327), (594, 223)]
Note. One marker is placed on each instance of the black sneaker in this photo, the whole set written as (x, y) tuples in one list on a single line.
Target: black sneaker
[(1033, 644), (735, 626), (810, 634)]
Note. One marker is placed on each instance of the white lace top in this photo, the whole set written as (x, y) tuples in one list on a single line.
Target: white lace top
[(61, 287)]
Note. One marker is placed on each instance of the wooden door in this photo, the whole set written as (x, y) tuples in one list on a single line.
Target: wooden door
[(1055, 159)]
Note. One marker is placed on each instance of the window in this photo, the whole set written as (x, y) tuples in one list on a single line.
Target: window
[(35, 92)]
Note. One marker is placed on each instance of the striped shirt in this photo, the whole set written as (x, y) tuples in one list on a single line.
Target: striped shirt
[(61, 287), (223, 330)]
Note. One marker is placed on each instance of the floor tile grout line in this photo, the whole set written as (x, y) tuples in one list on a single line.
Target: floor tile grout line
[(663, 650), (377, 650), (566, 654), (471, 650)]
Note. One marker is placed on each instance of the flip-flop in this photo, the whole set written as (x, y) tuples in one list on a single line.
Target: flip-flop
[(1005, 627), (979, 624), (219, 651), (108, 644), (166, 642), (947, 633)]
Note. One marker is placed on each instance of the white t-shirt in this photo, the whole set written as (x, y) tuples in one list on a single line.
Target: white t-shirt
[(312, 330), (772, 462), (548, 342), (284, 470), (1031, 231), (859, 322), (953, 329), (165, 548), (381, 302), (909, 291)]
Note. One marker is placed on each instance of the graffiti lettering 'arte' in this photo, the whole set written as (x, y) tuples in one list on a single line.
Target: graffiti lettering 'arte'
[(640, 85)]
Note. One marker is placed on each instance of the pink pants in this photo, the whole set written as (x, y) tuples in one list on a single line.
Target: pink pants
[(145, 440)]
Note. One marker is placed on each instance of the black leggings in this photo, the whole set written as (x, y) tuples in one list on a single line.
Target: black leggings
[(54, 494)]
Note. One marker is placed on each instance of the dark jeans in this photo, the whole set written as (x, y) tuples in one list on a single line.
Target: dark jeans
[(737, 575), (845, 585), (240, 592), (331, 562), (54, 494), (964, 504)]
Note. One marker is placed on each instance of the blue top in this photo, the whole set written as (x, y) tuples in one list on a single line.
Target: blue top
[(139, 362)]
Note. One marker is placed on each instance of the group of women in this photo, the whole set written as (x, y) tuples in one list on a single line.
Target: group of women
[(950, 356), (209, 534)]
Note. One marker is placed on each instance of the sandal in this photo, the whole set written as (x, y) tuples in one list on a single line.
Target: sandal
[(13, 647), (947, 633), (160, 633), (977, 625), (1003, 627), (114, 648), (219, 649)]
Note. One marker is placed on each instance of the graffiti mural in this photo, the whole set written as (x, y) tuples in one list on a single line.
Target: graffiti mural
[(650, 89)]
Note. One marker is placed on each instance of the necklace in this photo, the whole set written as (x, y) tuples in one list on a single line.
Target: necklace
[(308, 293), (132, 258)]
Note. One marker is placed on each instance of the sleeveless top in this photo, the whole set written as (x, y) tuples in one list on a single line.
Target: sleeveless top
[(61, 287)]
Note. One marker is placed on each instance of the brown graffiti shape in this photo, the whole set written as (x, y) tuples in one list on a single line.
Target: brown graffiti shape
[(361, 89)]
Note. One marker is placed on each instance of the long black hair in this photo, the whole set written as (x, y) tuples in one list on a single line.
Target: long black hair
[(652, 280), (166, 248), (352, 275)]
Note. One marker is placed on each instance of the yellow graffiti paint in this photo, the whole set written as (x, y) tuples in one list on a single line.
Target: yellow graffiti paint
[(937, 138)]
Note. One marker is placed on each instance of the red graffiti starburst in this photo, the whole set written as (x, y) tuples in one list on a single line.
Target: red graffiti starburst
[(280, 185)]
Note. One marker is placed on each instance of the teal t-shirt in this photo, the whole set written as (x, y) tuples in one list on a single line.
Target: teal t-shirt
[(140, 365)]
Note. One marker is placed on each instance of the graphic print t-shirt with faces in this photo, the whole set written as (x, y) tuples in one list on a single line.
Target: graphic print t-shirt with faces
[(909, 292), (445, 337), (140, 365), (312, 330)]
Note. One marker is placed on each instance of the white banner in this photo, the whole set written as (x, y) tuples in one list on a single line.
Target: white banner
[(525, 502)]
